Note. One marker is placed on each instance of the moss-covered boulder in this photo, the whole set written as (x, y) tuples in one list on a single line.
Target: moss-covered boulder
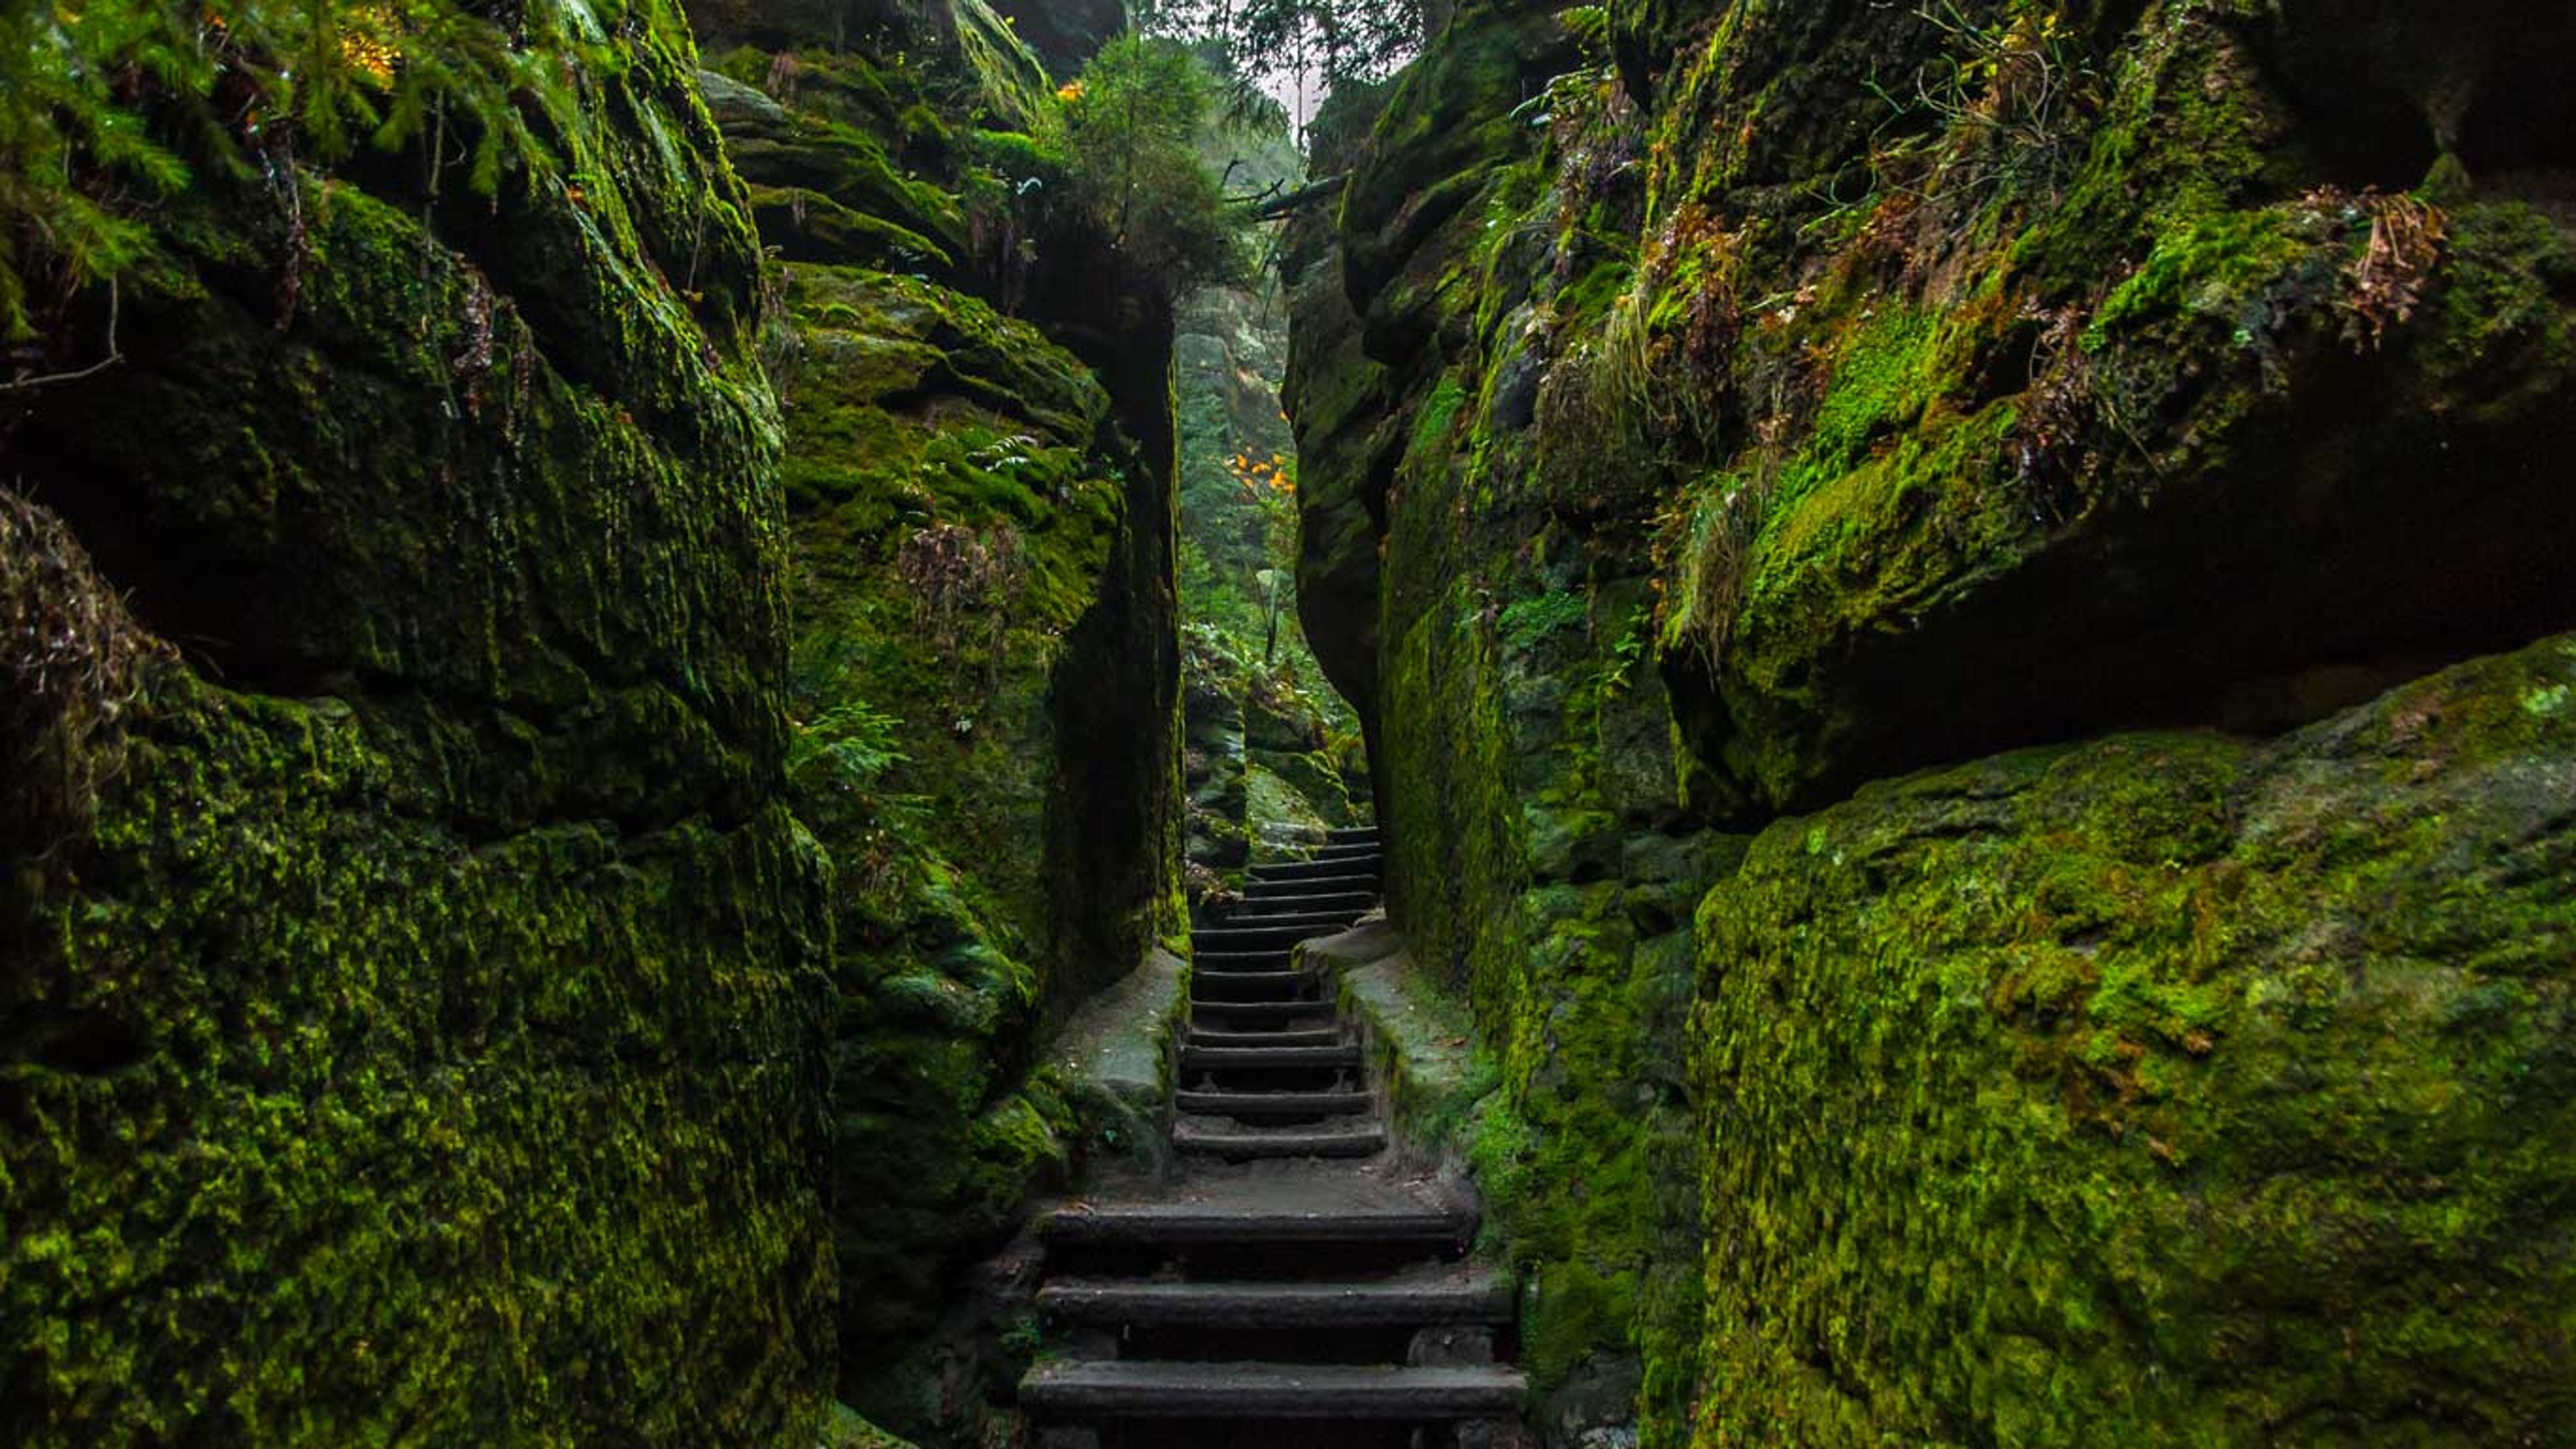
[(2167, 1089), (418, 1035)]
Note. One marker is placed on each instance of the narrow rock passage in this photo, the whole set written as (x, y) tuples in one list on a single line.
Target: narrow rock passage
[(1297, 1284)]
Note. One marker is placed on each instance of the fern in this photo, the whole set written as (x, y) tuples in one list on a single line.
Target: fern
[(848, 747)]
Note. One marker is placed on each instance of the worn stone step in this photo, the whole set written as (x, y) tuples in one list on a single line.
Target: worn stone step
[(1270, 1058), (1223, 986), (1144, 1389), (1355, 860), (1223, 940), (1321, 923), (1337, 867), (1444, 1294), (1279, 1219), (1239, 1012), (1270, 890), (1353, 835), (1247, 1144), (1277, 1036), (1240, 960), (1346, 904), (1248, 1106)]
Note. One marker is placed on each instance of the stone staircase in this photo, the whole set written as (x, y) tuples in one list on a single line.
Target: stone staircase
[(1296, 1285)]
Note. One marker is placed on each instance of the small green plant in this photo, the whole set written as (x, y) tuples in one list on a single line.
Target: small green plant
[(848, 748), (1717, 550), (841, 762), (1525, 622)]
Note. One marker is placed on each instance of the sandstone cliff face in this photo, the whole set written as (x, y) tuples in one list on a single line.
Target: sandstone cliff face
[(1272, 757), (1707, 411), (984, 673), (420, 1037)]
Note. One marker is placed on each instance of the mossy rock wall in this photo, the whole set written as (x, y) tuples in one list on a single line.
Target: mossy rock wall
[(2078, 390), (420, 1037), (1697, 425), (980, 474), (2169, 1088), (1500, 640)]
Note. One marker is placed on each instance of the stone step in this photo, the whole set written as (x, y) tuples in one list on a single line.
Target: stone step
[(1313, 870), (1265, 891), (1446, 1294), (1239, 1012), (1353, 835), (1222, 986), (1321, 923), (1227, 939), (1349, 904), (1240, 960), (1144, 1389), (1352, 859), (1247, 1106), (1279, 1036), (1444, 1228), (1270, 1058), (1249, 1144)]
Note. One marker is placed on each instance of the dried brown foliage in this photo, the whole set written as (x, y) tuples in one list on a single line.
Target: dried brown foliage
[(72, 664), (2388, 279), (956, 575)]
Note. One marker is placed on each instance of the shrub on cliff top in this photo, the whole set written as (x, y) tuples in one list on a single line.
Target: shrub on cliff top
[(1132, 121)]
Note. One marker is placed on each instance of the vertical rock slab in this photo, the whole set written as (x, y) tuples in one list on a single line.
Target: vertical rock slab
[(421, 1040), (984, 671)]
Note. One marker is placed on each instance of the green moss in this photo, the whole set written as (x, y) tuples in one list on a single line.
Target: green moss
[(2162, 1163), (2223, 265), (976, 545), (427, 1041), (1432, 421)]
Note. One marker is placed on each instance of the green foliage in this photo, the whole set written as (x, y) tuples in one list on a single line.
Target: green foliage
[(1334, 41), (849, 744), (1131, 125), (2000, 111), (115, 104), (1525, 622)]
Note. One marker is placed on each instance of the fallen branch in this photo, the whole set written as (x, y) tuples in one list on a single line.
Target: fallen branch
[(113, 357), (1275, 207)]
